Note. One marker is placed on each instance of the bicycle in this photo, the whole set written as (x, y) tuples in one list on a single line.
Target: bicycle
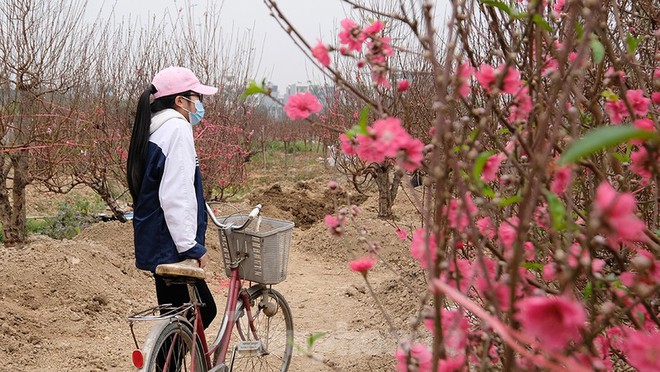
[(257, 326)]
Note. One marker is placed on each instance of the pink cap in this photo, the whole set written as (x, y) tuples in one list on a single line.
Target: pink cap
[(173, 80)]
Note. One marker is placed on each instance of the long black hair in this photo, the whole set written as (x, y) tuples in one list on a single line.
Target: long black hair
[(137, 151)]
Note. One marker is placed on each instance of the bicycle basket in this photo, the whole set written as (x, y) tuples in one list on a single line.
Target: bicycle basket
[(266, 251)]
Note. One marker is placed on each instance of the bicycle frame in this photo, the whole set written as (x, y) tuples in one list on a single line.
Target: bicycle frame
[(221, 344)]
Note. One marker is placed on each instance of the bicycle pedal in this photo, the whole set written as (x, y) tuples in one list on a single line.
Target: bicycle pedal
[(249, 347)]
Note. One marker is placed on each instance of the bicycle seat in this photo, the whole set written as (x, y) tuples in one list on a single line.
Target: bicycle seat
[(187, 268)]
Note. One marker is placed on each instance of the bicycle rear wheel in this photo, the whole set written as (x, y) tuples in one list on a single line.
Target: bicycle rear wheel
[(172, 351), (269, 346)]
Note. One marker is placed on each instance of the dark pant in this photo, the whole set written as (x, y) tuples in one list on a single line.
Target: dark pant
[(177, 295)]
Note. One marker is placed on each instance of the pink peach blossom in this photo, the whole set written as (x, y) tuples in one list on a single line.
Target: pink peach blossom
[(465, 72), (521, 107), (558, 6), (347, 145), (656, 98), (554, 321), (491, 167), (511, 83), (420, 359), (320, 52), (401, 233), (639, 103), (454, 329), (374, 28), (459, 214), (362, 265), (419, 247), (492, 288), (351, 35), (413, 154), (560, 180), (486, 77), (551, 65), (641, 163), (549, 272), (369, 149), (617, 111), (486, 228), (508, 231), (617, 210), (389, 134), (643, 350), (403, 85), (644, 124), (381, 79), (301, 105), (333, 224), (452, 364)]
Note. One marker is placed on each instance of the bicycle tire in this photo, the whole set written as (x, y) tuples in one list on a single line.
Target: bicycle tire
[(275, 333), (180, 334)]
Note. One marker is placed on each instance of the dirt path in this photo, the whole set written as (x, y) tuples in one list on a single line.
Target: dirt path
[(323, 298)]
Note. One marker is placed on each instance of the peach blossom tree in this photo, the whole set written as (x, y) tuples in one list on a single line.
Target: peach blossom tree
[(539, 235)]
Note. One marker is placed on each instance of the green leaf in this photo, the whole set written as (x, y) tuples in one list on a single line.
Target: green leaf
[(608, 94), (588, 290), (488, 192), (602, 138), (364, 117), (312, 339), (510, 200), (497, 4), (597, 49), (254, 88), (536, 18), (532, 266), (632, 43), (624, 158), (579, 29), (480, 163), (361, 126), (557, 211)]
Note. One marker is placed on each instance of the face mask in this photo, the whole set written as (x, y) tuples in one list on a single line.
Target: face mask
[(195, 117)]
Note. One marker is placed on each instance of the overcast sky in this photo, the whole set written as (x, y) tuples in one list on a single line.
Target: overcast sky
[(282, 62)]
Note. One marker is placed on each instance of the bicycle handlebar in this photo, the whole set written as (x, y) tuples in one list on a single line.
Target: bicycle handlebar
[(253, 214)]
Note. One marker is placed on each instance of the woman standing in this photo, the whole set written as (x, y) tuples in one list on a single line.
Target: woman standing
[(165, 182)]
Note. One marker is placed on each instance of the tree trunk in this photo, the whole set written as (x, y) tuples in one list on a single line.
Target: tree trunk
[(12, 210), (387, 181), (103, 190)]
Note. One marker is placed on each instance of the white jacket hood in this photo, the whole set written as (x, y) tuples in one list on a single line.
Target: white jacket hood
[(161, 117)]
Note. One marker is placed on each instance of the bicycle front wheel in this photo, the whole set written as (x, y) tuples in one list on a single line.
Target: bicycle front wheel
[(172, 351), (267, 346)]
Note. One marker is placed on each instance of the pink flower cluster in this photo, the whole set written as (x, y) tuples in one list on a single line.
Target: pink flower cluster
[(552, 320), (386, 138), (421, 247), (352, 37), (617, 212), (618, 111), (301, 105), (487, 76), (362, 265)]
